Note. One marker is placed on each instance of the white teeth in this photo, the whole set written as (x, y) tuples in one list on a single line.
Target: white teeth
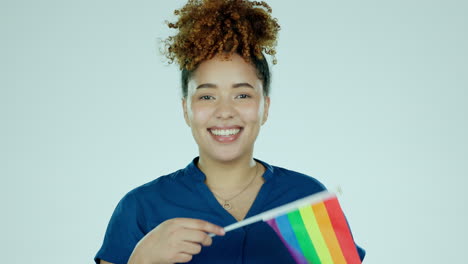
[(224, 132)]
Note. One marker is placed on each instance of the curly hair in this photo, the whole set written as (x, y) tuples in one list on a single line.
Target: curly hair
[(208, 27)]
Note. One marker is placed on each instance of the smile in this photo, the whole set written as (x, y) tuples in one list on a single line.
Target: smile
[(224, 132)]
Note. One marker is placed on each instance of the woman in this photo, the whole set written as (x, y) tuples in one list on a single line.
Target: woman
[(225, 86)]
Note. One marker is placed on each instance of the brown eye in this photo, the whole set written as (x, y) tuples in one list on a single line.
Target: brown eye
[(206, 97), (243, 96)]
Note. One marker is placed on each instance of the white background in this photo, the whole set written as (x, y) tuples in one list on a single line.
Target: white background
[(370, 96)]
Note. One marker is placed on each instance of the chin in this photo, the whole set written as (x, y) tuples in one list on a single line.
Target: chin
[(226, 156)]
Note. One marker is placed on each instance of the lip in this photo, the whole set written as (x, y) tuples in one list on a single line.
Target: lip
[(225, 139), (224, 127)]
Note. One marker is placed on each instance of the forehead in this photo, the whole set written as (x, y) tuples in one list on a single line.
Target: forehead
[(221, 71)]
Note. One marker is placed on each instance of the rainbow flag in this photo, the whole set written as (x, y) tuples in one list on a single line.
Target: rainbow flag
[(313, 229), (317, 233)]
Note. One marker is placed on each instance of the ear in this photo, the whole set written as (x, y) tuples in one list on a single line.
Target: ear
[(184, 108), (266, 108)]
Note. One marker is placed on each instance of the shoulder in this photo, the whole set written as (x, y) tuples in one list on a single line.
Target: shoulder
[(160, 186), (145, 202), (181, 180), (295, 178), (289, 182)]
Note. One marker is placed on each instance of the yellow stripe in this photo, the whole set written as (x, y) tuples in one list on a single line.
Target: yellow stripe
[(315, 235), (328, 233)]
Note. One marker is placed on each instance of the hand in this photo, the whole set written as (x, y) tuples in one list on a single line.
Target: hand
[(174, 241)]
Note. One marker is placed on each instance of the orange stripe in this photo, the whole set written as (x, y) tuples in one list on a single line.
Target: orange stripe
[(328, 233)]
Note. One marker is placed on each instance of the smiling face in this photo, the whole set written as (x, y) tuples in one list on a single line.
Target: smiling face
[(225, 108)]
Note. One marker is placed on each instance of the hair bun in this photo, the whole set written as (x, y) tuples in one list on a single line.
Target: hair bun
[(208, 27)]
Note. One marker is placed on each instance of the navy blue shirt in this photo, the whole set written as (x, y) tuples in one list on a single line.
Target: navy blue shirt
[(184, 194)]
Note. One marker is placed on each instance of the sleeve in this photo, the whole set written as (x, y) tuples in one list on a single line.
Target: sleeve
[(361, 252), (122, 234)]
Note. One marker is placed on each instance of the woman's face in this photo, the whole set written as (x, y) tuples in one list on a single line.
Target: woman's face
[(225, 108)]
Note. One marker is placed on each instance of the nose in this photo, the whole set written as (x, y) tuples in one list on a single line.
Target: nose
[(225, 109)]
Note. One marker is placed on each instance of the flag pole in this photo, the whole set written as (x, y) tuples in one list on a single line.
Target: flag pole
[(280, 210)]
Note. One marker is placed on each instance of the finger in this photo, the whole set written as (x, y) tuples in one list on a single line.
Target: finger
[(207, 242), (182, 258), (196, 236), (201, 225), (190, 248)]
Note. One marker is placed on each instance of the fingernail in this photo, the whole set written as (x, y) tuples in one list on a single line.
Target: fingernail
[(222, 231)]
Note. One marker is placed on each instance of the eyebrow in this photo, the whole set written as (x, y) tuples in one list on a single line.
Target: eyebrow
[(236, 85)]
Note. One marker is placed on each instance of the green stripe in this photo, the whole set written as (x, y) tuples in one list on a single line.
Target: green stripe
[(315, 234), (303, 237)]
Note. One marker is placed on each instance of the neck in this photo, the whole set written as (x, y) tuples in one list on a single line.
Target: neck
[(227, 175)]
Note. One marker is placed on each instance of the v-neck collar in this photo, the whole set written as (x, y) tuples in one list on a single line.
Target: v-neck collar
[(197, 175), (195, 179)]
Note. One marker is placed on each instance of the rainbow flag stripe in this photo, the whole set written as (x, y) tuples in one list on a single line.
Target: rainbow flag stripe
[(317, 233)]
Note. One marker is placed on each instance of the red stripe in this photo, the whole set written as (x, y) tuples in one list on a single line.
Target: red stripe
[(343, 234)]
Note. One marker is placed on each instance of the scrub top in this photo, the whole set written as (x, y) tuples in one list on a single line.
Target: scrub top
[(184, 194)]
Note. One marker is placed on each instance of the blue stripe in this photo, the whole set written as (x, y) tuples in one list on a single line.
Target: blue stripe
[(287, 232)]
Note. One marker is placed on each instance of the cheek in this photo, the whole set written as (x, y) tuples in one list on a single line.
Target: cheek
[(252, 113), (200, 115)]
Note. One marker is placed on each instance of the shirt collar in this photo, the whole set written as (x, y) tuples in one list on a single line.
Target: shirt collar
[(192, 172)]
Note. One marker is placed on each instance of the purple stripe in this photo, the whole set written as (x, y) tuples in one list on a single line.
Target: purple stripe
[(297, 255)]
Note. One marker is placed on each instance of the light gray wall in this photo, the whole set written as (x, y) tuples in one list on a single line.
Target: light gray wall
[(369, 96)]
